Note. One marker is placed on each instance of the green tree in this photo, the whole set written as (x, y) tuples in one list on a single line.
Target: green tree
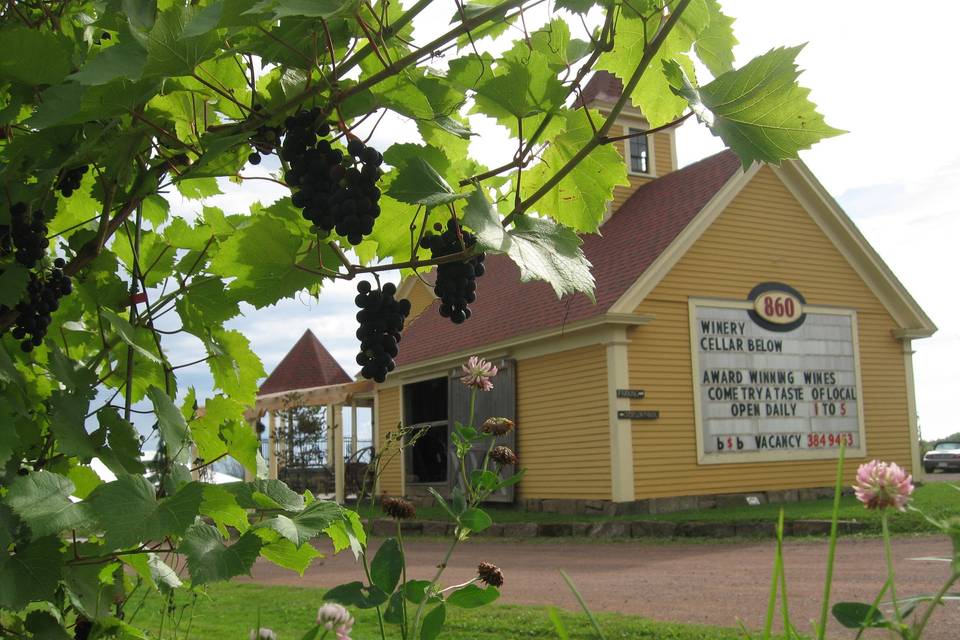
[(106, 106)]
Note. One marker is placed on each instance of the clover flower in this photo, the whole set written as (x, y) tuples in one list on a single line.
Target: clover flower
[(262, 633), (398, 508), (497, 426), (491, 574), (334, 617), (883, 484), (503, 455), (477, 373)]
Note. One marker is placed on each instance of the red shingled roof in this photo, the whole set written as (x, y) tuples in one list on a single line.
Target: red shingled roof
[(603, 85), (308, 364), (632, 239)]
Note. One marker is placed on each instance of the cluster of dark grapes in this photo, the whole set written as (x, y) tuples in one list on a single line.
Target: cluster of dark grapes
[(456, 284), (381, 319), (26, 236), (264, 141), (42, 299), (336, 191), (70, 180)]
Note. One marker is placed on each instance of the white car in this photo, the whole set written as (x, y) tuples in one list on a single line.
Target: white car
[(944, 456)]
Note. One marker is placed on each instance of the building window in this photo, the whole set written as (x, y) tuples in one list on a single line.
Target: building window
[(639, 153)]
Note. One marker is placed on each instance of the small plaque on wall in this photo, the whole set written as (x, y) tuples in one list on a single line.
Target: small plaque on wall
[(636, 394), (638, 415)]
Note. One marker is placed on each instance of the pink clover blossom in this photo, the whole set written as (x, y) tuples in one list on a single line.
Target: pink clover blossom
[(477, 373), (883, 484)]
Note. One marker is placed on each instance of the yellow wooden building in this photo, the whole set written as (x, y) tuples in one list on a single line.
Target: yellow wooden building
[(743, 329)]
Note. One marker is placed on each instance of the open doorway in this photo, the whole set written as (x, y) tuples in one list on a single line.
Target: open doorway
[(425, 405)]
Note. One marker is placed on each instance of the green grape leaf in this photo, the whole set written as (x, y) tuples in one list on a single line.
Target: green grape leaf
[(205, 430), (70, 103), (220, 506), (31, 573), (155, 572), (142, 14), (580, 199), (303, 526), (34, 57), (43, 624), (67, 413), (198, 188), (90, 591), (576, 6), (42, 500), (520, 89), (714, 45), (129, 512), (127, 333), (171, 49), (9, 438), (126, 59), (265, 494), (73, 375), (759, 110), (124, 443), (472, 596), (387, 565), (84, 480), (433, 622), (542, 249), (210, 560), (652, 94), (13, 284), (206, 304), (235, 367), (417, 182), (305, 8), (173, 428), (260, 257), (285, 554)]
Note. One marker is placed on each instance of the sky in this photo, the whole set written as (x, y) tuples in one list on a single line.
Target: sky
[(880, 70)]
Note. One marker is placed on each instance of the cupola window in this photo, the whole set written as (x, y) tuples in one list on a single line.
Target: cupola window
[(639, 152)]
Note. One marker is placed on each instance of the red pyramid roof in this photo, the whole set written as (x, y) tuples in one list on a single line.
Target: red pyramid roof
[(632, 239), (603, 85), (308, 364)]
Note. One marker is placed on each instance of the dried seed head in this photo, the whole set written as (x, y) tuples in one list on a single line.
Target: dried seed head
[(497, 426), (503, 456), (491, 574), (398, 508)]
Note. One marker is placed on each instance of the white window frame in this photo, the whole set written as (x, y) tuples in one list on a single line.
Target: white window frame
[(651, 164)]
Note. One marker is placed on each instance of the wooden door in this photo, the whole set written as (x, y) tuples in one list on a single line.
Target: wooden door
[(500, 402)]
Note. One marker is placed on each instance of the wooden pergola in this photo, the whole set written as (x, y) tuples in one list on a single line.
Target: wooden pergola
[(334, 398)]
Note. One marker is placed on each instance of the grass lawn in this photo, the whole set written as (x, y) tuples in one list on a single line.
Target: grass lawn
[(231, 610), (938, 500)]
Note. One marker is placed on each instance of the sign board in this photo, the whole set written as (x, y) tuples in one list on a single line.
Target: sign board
[(636, 394), (774, 380), (638, 415)]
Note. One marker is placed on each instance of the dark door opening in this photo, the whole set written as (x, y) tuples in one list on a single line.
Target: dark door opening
[(426, 410)]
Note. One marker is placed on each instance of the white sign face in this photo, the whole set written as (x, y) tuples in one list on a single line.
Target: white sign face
[(774, 395)]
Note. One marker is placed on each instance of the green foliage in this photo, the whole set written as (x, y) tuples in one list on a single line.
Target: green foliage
[(156, 98)]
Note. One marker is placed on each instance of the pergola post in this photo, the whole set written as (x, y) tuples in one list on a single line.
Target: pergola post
[(353, 428), (335, 449), (272, 445)]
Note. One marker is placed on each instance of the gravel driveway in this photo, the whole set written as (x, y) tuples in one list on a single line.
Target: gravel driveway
[(710, 583)]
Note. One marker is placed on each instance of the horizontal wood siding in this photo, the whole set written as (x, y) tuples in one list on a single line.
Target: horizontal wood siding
[(662, 163), (764, 235), (563, 438), (388, 413)]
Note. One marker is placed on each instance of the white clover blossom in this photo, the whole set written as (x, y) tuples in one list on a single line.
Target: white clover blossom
[(883, 484), (262, 633), (477, 373), (334, 617)]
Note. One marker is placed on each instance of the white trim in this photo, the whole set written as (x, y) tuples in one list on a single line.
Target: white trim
[(843, 233), (621, 431), (770, 456), (651, 152), (651, 277), (594, 330), (914, 427)]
